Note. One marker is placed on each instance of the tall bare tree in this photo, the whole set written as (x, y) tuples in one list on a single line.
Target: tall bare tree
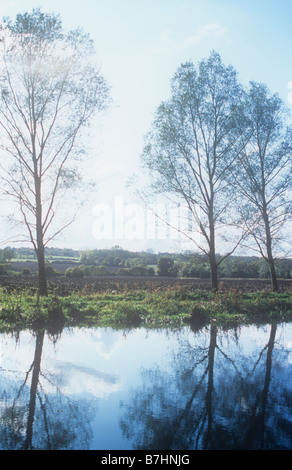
[(50, 88), (193, 142), (263, 173)]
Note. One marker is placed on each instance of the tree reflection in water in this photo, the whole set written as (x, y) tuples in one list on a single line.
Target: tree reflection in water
[(213, 399), (34, 419), (184, 389)]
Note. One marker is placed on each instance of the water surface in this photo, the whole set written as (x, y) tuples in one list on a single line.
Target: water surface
[(143, 389)]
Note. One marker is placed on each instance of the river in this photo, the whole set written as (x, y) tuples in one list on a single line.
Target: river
[(100, 388)]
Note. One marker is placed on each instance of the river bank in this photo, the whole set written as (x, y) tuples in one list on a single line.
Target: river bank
[(152, 308)]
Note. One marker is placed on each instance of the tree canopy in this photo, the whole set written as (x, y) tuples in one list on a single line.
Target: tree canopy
[(193, 142)]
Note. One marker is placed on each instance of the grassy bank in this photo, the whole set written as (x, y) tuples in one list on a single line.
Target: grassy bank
[(169, 308)]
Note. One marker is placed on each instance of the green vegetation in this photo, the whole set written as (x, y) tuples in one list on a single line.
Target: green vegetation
[(173, 307), (166, 267), (117, 261), (152, 307)]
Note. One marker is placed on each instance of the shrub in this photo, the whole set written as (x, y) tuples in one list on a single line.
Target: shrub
[(139, 271), (76, 272), (136, 271), (124, 272), (96, 271), (26, 272), (150, 271), (51, 272), (165, 267), (194, 269)]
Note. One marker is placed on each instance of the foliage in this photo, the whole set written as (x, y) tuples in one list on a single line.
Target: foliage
[(224, 152), (18, 312), (76, 272), (6, 254), (26, 272), (186, 264), (262, 174), (117, 256), (192, 143), (166, 267), (94, 270), (136, 271), (51, 272), (198, 266), (245, 267)]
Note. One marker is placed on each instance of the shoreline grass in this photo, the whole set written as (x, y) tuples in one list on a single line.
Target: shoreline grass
[(170, 308)]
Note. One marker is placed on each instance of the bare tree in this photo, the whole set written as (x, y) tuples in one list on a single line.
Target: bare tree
[(50, 88), (262, 175), (192, 145)]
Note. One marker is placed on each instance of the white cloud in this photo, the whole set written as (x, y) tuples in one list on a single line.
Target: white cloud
[(203, 31), (210, 30)]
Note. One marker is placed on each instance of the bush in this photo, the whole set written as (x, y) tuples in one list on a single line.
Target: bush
[(26, 272), (139, 271), (76, 272), (165, 267), (124, 272), (196, 269), (96, 271), (51, 272), (150, 271), (136, 271)]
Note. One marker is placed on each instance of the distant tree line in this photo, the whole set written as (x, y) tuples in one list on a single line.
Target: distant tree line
[(116, 260), (9, 253)]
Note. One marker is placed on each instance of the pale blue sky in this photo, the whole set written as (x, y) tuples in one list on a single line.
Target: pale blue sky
[(140, 44)]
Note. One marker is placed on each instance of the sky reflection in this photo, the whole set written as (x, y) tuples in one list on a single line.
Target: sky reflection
[(144, 389)]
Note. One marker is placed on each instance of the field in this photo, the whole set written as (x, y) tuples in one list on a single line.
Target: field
[(66, 286)]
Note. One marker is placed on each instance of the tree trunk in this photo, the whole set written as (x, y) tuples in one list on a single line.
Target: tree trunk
[(208, 438), (273, 274), (212, 252), (264, 413), (214, 271), (271, 261), (33, 389), (40, 241), (42, 271)]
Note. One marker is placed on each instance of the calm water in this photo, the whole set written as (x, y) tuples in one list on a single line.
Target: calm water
[(154, 390)]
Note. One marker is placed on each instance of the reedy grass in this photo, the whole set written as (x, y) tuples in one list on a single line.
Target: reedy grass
[(173, 307)]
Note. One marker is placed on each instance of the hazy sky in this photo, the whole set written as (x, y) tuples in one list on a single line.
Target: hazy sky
[(139, 45)]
